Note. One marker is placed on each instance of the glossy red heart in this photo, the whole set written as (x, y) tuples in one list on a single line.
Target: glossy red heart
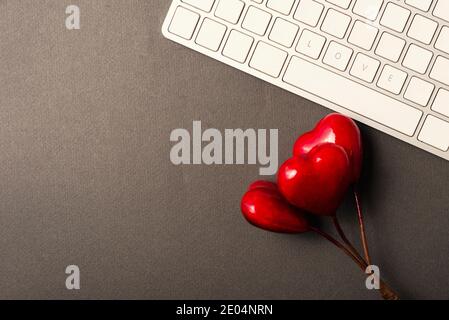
[(338, 129), (317, 181), (263, 206)]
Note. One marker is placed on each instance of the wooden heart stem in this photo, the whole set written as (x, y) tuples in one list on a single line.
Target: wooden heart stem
[(362, 226), (339, 245), (362, 232), (345, 239), (385, 290)]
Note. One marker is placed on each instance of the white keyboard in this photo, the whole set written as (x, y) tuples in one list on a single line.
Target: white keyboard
[(384, 63)]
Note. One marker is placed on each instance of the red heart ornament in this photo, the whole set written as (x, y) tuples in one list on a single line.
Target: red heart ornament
[(338, 129), (317, 181), (263, 206)]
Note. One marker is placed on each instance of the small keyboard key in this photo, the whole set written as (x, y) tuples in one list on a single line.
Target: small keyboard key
[(442, 10), (310, 44), (417, 59), (205, 5), (229, 10), (363, 35), (441, 103), (283, 32), (184, 23), (337, 56), (395, 17), (211, 34), (281, 6), (392, 79), (309, 12), (423, 5), (365, 67), (368, 9), (440, 71), (419, 91), (238, 46), (268, 59), (443, 40), (336, 23), (422, 29), (435, 132), (390, 47), (256, 20)]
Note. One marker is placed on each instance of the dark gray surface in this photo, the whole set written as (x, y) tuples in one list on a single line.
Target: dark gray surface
[(85, 176)]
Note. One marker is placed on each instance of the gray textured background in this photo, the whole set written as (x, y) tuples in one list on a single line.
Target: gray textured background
[(85, 176)]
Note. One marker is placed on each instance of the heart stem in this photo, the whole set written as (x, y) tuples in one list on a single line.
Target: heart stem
[(345, 239), (339, 245), (362, 226), (386, 292)]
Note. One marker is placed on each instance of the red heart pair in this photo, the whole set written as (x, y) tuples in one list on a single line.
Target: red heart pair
[(325, 162)]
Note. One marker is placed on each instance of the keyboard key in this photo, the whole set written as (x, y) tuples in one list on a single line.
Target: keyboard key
[(229, 10), (443, 40), (341, 3), (440, 71), (238, 46), (395, 17), (268, 59), (184, 23), (423, 5), (417, 59), (365, 67), (363, 35), (390, 47), (310, 44), (392, 79), (205, 5), (337, 56), (441, 103), (336, 23), (376, 106), (419, 91), (256, 21), (442, 10), (281, 6), (368, 9), (283, 32), (309, 12), (435, 132), (422, 29), (211, 34)]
